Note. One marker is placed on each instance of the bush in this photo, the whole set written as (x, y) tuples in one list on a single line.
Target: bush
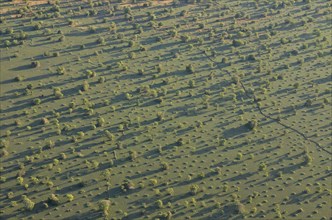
[(28, 204), (253, 124), (61, 70), (127, 185), (53, 200), (101, 41), (36, 101), (57, 93), (185, 38), (35, 64), (70, 197), (109, 135), (100, 122), (164, 166), (237, 43), (307, 159), (194, 189), (262, 167), (160, 116), (104, 206), (190, 68), (90, 74), (86, 86), (133, 155), (18, 78), (159, 204)]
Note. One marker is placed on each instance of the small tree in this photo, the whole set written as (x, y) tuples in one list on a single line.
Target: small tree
[(133, 155), (57, 93), (159, 204), (104, 206), (86, 86), (100, 122), (253, 124), (262, 167), (194, 189), (190, 68), (28, 204), (307, 158), (191, 83), (164, 166), (35, 64), (70, 197)]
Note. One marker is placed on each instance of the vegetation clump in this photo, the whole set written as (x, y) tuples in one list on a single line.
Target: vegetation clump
[(28, 204)]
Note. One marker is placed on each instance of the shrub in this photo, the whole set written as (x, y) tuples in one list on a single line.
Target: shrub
[(159, 204), (28, 204), (239, 208), (100, 122), (60, 70), (191, 83), (18, 78), (53, 200), (101, 79), (239, 156), (90, 74), (133, 155), (164, 166), (238, 43), (35, 64), (101, 41), (131, 43), (252, 124), (194, 189), (104, 206), (190, 68), (45, 121), (185, 38), (127, 185), (262, 167), (109, 135), (160, 116), (170, 191), (86, 86), (307, 159), (62, 38), (57, 93), (36, 101), (154, 182)]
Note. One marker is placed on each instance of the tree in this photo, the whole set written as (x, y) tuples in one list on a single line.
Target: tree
[(86, 85), (70, 197), (237, 43), (159, 204), (53, 200), (35, 64), (164, 166), (57, 93), (191, 83), (194, 189), (28, 204), (253, 124), (109, 135), (240, 208), (133, 155), (100, 122), (190, 68), (307, 158), (104, 206), (262, 166)]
